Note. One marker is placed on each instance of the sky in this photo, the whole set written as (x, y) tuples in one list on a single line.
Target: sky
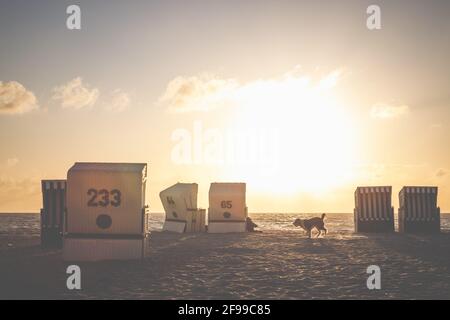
[(299, 99)]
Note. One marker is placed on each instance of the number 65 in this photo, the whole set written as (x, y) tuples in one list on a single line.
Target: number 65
[(226, 204)]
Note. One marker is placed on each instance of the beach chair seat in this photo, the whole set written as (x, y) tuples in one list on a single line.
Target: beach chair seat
[(418, 211), (180, 206), (227, 210), (107, 218), (373, 209), (53, 212)]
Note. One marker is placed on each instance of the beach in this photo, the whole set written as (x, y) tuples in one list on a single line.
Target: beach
[(278, 263)]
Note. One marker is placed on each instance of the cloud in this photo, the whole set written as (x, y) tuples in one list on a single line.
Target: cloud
[(441, 172), (330, 80), (120, 101), (386, 111), (205, 92), (16, 99), (197, 93), (75, 94)]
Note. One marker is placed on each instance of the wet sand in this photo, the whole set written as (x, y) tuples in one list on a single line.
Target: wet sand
[(275, 264)]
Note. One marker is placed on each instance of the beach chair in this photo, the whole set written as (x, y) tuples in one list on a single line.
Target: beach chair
[(373, 209), (106, 212), (227, 208), (418, 211), (52, 212), (180, 205)]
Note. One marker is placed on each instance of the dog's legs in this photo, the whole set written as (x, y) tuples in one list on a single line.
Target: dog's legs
[(309, 233), (320, 232), (325, 229)]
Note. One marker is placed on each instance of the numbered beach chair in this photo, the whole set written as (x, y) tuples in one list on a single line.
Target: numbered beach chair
[(373, 209), (106, 212), (418, 212), (227, 208), (180, 205)]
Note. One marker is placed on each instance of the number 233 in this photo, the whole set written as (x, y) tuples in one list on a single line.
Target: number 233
[(106, 198)]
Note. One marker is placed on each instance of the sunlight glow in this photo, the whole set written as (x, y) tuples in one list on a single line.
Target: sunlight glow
[(315, 139)]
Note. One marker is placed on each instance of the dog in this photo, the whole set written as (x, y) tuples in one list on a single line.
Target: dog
[(250, 225), (309, 224)]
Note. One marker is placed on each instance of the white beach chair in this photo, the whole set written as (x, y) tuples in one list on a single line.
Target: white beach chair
[(106, 212), (227, 208), (180, 205)]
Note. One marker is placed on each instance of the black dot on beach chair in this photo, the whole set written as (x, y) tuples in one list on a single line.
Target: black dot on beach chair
[(226, 215), (104, 221), (175, 215)]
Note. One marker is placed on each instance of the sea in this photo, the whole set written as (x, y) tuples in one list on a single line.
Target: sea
[(28, 224)]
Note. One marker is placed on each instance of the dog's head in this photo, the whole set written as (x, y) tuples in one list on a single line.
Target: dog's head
[(298, 223)]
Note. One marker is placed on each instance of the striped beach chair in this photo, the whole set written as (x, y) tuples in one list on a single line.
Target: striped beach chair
[(53, 212), (373, 209), (418, 212)]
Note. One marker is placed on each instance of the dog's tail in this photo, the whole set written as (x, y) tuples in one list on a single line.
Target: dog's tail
[(323, 216)]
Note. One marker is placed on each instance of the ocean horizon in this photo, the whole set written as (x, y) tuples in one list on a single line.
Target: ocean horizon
[(28, 224)]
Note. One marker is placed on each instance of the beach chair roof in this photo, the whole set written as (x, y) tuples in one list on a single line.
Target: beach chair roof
[(110, 167)]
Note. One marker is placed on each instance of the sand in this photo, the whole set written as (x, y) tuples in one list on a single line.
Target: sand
[(275, 264)]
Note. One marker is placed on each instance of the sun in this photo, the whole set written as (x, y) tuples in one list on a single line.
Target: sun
[(304, 136)]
